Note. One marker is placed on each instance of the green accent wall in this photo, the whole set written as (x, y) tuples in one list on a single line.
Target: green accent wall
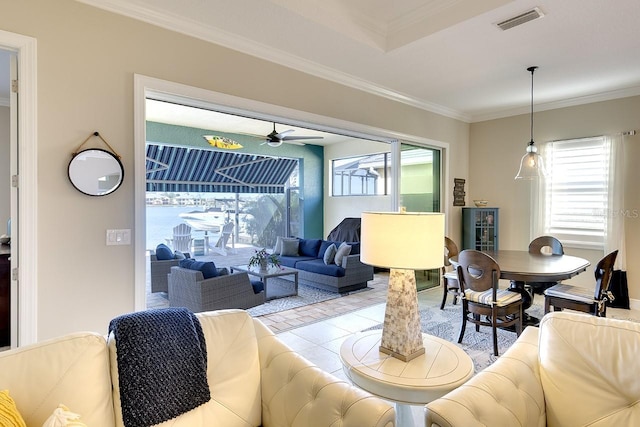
[(311, 165)]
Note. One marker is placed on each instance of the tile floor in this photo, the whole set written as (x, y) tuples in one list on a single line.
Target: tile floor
[(320, 341)]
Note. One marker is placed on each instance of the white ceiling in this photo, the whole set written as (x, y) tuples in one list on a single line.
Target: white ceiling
[(446, 56)]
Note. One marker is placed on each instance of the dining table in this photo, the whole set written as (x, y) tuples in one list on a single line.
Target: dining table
[(522, 267)]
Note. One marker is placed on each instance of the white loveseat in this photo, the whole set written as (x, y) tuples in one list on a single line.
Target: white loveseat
[(575, 370), (254, 380)]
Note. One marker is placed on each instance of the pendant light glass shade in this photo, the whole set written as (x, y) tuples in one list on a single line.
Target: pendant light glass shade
[(531, 164)]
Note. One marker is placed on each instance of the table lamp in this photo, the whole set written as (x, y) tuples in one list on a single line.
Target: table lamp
[(403, 242)]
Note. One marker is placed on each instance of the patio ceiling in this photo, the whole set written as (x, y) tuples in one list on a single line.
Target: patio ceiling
[(185, 169)]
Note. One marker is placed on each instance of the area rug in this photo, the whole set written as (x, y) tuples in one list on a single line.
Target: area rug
[(446, 324), (306, 295), (479, 345)]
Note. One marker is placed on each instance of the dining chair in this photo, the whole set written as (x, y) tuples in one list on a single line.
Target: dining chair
[(583, 299), (449, 277), (478, 276), (546, 245)]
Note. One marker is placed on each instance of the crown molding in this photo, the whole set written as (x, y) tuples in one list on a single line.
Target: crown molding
[(571, 102), (250, 47)]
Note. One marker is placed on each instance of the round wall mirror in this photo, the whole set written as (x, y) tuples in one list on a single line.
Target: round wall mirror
[(96, 172)]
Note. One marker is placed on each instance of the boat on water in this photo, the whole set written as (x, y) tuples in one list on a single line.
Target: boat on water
[(211, 219)]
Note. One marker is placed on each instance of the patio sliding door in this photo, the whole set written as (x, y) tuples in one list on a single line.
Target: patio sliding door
[(420, 192)]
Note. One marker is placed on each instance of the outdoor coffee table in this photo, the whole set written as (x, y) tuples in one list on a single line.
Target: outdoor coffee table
[(269, 273)]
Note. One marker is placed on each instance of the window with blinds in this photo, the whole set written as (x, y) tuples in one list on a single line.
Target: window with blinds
[(575, 192)]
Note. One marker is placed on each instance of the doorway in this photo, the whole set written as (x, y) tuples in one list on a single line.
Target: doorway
[(147, 87), (22, 182)]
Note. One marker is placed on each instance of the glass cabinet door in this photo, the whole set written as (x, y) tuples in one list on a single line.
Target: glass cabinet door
[(480, 229)]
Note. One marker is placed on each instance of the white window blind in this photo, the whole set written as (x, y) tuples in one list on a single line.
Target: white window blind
[(576, 191)]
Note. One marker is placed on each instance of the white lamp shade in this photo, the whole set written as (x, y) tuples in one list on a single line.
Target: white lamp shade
[(409, 241)]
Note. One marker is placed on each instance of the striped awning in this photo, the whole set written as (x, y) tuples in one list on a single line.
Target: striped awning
[(194, 170)]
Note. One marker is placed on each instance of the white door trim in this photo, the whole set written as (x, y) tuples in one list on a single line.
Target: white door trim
[(27, 224)]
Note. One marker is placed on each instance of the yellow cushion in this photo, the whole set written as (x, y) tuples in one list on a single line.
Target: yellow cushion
[(9, 415)]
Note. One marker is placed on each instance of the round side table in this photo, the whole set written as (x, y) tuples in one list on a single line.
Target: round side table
[(442, 368)]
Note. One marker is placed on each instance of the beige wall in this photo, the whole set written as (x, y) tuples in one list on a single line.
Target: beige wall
[(86, 62), (5, 172), (496, 147)]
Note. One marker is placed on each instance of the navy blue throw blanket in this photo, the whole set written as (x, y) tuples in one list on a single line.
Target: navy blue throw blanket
[(162, 365)]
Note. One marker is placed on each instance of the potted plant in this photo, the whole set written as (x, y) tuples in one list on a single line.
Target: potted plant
[(262, 259)]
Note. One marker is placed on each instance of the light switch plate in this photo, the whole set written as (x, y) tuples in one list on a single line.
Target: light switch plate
[(118, 237)]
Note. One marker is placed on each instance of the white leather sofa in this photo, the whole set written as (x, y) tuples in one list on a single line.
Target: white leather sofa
[(254, 380), (575, 370)]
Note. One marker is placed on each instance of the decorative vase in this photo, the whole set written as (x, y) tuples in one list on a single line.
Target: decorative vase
[(263, 265)]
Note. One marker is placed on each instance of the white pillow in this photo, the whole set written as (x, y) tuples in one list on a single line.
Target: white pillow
[(277, 249), (330, 254), (342, 252), (289, 247), (62, 417)]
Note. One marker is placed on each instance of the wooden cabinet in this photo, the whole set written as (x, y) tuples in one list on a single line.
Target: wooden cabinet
[(5, 297), (480, 229)]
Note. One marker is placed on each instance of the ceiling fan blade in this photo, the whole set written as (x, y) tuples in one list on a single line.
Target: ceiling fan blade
[(283, 134), (293, 138)]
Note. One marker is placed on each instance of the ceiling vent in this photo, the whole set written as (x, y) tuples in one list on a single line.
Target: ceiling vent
[(530, 15)]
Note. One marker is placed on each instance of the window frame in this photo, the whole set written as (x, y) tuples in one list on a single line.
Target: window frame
[(574, 195), (382, 175)]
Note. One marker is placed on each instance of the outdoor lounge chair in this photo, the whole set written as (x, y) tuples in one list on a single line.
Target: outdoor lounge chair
[(221, 244), (181, 240), (188, 288)]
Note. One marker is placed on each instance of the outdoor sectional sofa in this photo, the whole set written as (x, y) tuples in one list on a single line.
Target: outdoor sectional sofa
[(307, 256)]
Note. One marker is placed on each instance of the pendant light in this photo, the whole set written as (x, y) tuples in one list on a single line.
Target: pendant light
[(531, 165)]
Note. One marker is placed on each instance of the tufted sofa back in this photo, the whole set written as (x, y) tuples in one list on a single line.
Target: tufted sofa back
[(72, 370), (233, 372), (588, 369)]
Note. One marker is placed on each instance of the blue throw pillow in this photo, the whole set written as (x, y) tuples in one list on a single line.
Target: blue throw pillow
[(257, 285), (208, 269), (324, 245), (309, 247), (186, 263), (163, 252)]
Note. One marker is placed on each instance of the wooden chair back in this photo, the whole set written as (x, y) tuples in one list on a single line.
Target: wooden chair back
[(477, 271), (603, 273), (544, 244), (450, 250)]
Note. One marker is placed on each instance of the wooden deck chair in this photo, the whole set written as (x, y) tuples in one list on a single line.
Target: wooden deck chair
[(181, 240), (221, 244)]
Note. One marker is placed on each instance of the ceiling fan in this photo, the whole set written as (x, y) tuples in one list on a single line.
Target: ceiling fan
[(275, 139)]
